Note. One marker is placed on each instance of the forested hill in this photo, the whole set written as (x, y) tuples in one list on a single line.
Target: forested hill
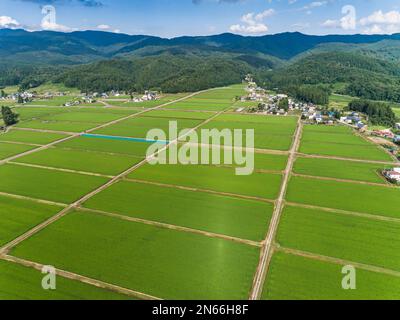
[(356, 75), (167, 73)]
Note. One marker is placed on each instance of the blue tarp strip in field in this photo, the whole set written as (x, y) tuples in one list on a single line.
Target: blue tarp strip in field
[(99, 136)]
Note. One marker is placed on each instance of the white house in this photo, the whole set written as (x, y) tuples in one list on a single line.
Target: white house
[(393, 174)]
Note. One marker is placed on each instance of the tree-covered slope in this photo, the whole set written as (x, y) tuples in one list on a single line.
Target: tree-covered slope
[(361, 75), (86, 46), (169, 73)]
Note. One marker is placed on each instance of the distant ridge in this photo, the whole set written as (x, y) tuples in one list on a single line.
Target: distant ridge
[(86, 46)]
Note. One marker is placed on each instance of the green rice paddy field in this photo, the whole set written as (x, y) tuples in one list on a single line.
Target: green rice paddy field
[(30, 137), (193, 231), (339, 169), (161, 262), (306, 279), (339, 141), (21, 283), (347, 237), (9, 149)]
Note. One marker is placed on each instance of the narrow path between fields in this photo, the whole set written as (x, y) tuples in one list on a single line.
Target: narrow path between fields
[(85, 173), (375, 184), (344, 212), (172, 227), (322, 258), (266, 252), (221, 193), (317, 156)]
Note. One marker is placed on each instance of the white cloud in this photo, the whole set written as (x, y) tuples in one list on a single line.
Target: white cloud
[(103, 27), (315, 4), (52, 26), (380, 22), (379, 17), (8, 22), (347, 22), (331, 24), (265, 14), (253, 23)]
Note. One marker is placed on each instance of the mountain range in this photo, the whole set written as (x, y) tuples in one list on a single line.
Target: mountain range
[(85, 46), (95, 60)]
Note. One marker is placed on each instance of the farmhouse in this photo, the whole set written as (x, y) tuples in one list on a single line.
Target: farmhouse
[(392, 175), (384, 133)]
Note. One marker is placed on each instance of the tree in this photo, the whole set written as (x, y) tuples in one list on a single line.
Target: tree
[(284, 104), (2, 93), (9, 117), (20, 99)]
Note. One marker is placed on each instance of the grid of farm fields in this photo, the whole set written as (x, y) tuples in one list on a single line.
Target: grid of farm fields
[(77, 193)]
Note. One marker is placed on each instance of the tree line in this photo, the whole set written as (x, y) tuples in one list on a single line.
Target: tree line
[(378, 113)]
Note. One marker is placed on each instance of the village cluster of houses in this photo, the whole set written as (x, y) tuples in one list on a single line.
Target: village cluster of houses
[(148, 96), (312, 113), (84, 98), (354, 118), (24, 96), (270, 103)]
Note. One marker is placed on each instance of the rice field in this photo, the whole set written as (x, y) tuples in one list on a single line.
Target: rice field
[(139, 127), (193, 231), (225, 215), (22, 283), (339, 141), (269, 132), (78, 160), (216, 100), (339, 169), (30, 137), (222, 179), (9, 149), (346, 196), (46, 184), (347, 237), (19, 215), (293, 277), (145, 258)]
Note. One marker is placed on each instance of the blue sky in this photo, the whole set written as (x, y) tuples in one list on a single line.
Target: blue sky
[(170, 18)]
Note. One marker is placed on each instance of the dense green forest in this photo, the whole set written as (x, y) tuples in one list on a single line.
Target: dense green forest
[(167, 73), (379, 113), (362, 76), (316, 94)]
